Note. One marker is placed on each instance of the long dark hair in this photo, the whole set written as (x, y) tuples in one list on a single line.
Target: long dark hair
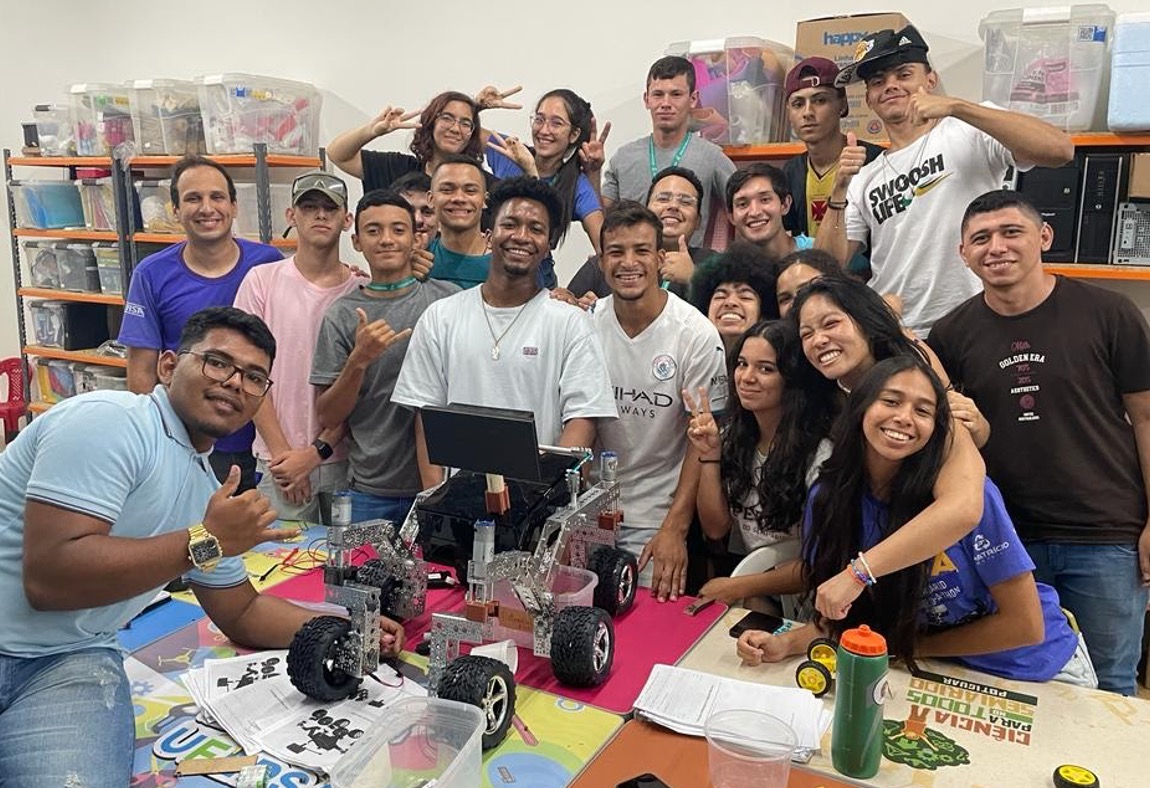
[(835, 533), (805, 421), (423, 140), (875, 319), (566, 178)]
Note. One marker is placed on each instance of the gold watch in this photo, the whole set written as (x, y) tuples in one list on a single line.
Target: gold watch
[(203, 548)]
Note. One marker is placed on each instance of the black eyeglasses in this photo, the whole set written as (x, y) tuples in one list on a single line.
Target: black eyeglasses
[(219, 369)]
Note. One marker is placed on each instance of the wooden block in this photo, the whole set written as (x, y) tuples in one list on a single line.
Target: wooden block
[(214, 765)]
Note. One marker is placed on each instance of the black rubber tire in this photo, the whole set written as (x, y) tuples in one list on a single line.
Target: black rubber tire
[(373, 573), (618, 573), (582, 646), (486, 683), (309, 658)]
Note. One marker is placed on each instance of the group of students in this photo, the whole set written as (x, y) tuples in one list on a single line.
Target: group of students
[(764, 393)]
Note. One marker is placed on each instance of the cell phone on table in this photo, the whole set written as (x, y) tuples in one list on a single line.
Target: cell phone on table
[(756, 620), (647, 780)]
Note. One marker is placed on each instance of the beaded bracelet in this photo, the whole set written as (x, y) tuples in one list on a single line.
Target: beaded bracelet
[(866, 566), (856, 574)]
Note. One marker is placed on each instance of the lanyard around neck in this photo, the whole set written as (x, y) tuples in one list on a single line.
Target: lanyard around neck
[(678, 157)]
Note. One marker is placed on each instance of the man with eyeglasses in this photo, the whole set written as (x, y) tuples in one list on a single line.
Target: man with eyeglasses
[(204, 270), (815, 106), (104, 499), (669, 97), (300, 464), (674, 197)]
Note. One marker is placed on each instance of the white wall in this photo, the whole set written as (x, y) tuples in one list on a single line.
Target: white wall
[(375, 53)]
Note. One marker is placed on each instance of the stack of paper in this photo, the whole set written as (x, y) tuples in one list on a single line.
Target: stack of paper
[(683, 699), (252, 698)]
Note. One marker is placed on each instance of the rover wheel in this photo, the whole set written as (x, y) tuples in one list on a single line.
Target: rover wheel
[(825, 652), (486, 683), (582, 646), (814, 677), (618, 573), (310, 662)]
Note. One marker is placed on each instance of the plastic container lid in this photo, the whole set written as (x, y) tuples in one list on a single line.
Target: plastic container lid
[(864, 641)]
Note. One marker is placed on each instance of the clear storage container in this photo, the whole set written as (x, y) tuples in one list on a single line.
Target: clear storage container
[(571, 588), (54, 129), (43, 262), (417, 742), (69, 324), (111, 379), (101, 116), (166, 117), (247, 221), (44, 382), (61, 378), (108, 268), (740, 82), (1050, 62), (78, 269), (1130, 74), (85, 376), (47, 205), (98, 200), (240, 110), (156, 209)]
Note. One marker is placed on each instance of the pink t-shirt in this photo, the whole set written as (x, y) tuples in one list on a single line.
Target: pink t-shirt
[(293, 309)]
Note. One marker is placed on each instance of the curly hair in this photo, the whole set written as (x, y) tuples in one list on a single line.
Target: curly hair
[(528, 189), (741, 262), (835, 532), (781, 482), (423, 141)]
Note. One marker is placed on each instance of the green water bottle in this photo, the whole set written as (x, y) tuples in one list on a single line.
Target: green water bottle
[(860, 689)]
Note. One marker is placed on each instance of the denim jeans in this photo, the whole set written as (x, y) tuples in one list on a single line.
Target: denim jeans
[(365, 506), (1102, 586), (328, 478), (66, 720)]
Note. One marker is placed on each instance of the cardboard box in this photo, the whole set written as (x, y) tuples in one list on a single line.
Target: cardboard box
[(1139, 176), (835, 38)]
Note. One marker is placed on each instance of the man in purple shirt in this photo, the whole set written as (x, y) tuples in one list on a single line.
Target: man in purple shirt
[(171, 285)]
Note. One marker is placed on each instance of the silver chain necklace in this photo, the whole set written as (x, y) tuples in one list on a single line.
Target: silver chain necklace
[(495, 340)]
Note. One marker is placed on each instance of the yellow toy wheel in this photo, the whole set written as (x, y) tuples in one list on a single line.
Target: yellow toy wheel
[(814, 677), (1070, 776), (824, 651)]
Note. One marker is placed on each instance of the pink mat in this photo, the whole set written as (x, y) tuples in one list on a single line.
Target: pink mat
[(650, 633)]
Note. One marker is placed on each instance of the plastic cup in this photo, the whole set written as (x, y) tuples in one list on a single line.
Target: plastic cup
[(505, 651), (747, 748)]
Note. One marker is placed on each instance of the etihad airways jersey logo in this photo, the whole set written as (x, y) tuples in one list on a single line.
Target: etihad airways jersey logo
[(896, 195)]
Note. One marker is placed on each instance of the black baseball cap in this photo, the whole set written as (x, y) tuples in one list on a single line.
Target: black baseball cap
[(882, 50)]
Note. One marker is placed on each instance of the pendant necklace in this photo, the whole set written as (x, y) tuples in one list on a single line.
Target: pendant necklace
[(916, 160), (497, 339)]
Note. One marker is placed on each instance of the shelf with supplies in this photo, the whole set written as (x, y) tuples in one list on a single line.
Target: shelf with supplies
[(83, 356), (59, 300)]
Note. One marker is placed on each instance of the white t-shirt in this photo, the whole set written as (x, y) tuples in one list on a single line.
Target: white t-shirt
[(910, 205), (680, 349), (746, 536), (549, 361)]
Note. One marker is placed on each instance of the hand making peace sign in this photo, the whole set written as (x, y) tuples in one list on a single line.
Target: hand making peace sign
[(592, 152), (491, 97), (702, 430), (393, 118)]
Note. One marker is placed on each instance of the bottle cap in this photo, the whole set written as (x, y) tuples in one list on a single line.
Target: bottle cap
[(863, 641)]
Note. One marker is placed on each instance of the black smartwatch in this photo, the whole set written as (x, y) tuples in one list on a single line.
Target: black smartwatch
[(323, 449)]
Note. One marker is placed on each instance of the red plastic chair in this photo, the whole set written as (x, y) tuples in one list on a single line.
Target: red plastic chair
[(13, 407)]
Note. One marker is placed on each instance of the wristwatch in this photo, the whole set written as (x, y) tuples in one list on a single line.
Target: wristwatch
[(323, 449), (203, 548)]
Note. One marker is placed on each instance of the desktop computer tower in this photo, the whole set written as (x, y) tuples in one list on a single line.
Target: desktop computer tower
[(1103, 181), (1054, 192)]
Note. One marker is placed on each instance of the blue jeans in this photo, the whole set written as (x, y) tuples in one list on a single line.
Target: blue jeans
[(365, 506), (1102, 586), (66, 719)]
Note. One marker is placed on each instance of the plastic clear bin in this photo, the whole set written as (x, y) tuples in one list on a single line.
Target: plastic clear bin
[(156, 209), (1049, 62), (85, 376), (740, 82), (43, 263), (111, 379), (1130, 74), (108, 268), (417, 742), (54, 129), (78, 270), (101, 116), (572, 588), (240, 110), (166, 117), (98, 200), (44, 381), (68, 324), (47, 205), (247, 221), (61, 379)]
